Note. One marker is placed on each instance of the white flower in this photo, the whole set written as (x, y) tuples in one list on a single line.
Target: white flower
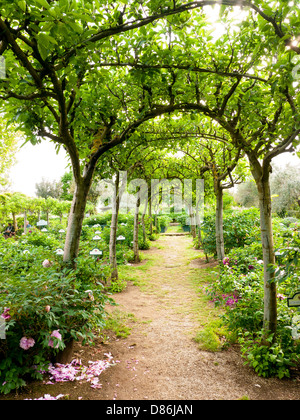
[(46, 263)]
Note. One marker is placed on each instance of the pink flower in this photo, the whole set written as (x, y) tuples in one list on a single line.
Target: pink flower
[(46, 397), (5, 314), (26, 343), (280, 296), (55, 334), (226, 261)]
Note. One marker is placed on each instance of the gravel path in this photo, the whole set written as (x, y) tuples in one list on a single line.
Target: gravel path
[(160, 361)]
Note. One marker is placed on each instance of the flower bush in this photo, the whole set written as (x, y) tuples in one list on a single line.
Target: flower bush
[(239, 290), (240, 227), (44, 306), (44, 312)]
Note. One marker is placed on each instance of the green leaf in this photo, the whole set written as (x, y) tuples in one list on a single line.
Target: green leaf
[(222, 10), (77, 28), (45, 44), (43, 3), (22, 5)]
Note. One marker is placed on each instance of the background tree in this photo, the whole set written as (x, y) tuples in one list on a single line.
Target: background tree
[(8, 150), (46, 188), (246, 194), (66, 182), (285, 188)]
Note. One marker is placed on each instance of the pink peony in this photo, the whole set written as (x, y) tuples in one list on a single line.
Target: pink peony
[(5, 314), (26, 343), (226, 261), (55, 334)]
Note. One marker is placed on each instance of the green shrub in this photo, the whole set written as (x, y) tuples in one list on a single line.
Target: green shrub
[(241, 228), (213, 337), (37, 306), (266, 357), (118, 286), (290, 220), (144, 245)]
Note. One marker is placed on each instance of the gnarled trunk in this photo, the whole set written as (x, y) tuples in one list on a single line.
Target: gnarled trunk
[(261, 175), (113, 232), (270, 294), (75, 220), (136, 232), (219, 222)]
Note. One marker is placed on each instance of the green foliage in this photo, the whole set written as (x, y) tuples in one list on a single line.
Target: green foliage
[(288, 259), (42, 297), (213, 337), (239, 291), (39, 304), (240, 229), (266, 357), (164, 220), (144, 245), (118, 286)]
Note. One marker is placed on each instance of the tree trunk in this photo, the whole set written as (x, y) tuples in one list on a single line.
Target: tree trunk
[(75, 220), (25, 220), (113, 232), (219, 222), (15, 224), (113, 247), (136, 232), (270, 294), (144, 227), (150, 216), (193, 222)]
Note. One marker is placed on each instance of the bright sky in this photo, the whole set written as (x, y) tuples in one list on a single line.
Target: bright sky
[(34, 163), (41, 161)]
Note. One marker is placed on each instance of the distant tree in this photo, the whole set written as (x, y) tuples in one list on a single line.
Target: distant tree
[(8, 150), (246, 195), (66, 181), (47, 188), (228, 200), (285, 188), (68, 188)]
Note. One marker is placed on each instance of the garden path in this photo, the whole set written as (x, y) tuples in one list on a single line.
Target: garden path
[(159, 360)]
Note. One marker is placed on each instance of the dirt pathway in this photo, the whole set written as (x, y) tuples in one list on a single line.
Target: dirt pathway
[(159, 359)]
